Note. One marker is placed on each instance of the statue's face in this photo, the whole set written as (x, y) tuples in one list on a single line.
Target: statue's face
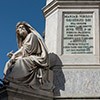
[(22, 31)]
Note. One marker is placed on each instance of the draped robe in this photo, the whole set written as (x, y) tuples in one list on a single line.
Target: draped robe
[(26, 68)]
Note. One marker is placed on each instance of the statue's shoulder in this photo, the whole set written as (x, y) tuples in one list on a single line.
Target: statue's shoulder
[(31, 35)]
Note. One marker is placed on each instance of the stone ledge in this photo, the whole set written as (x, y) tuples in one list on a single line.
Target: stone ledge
[(54, 4), (24, 93)]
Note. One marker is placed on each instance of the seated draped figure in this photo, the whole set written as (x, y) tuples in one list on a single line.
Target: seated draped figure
[(29, 64)]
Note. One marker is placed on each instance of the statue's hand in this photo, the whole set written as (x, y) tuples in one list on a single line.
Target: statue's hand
[(10, 54), (12, 59)]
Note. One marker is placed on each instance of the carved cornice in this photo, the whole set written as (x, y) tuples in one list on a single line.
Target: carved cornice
[(52, 6)]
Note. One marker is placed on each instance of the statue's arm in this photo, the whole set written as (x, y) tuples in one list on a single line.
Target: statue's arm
[(18, 53)]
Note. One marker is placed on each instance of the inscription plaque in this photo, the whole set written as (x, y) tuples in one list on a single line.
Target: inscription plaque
[(78, 33)]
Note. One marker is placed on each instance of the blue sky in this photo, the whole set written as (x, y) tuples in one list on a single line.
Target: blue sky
[(12, 11)]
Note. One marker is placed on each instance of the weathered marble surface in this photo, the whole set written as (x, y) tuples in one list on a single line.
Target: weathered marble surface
[(77, 82)]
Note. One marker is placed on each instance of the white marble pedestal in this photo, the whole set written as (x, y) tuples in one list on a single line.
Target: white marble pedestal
[(72, 36)]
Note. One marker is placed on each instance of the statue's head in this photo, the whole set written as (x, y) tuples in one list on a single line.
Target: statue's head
[(22, 30), (26, 25)]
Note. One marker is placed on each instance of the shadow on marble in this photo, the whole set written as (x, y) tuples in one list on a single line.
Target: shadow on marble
[(58, 75)]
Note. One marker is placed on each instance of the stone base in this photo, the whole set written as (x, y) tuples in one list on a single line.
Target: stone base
[(24, 93)]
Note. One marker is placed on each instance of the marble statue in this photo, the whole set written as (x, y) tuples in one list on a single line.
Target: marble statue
[(30, 62)]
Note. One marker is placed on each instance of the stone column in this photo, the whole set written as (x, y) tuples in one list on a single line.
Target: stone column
[(72, 37)]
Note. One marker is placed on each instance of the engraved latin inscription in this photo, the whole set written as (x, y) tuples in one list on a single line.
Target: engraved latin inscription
[(78, 33)]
